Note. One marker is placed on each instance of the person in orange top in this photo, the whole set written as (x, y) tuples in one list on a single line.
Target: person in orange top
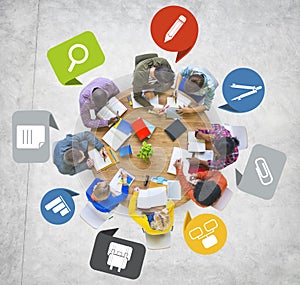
[(205, 188)]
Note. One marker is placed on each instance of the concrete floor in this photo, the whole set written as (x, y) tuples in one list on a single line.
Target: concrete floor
[(263, 236)]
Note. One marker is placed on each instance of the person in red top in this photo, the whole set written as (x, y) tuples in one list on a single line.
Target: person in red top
[(205, 188)]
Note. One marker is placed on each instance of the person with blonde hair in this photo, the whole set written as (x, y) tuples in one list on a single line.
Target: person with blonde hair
[(154, 223), (100, 196)]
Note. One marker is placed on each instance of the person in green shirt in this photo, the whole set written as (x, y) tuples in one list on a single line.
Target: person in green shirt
[(151, 76)]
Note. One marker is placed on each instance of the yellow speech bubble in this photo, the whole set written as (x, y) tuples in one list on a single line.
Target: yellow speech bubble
[(204, 234)]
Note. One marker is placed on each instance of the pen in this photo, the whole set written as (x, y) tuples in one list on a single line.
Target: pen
[(146, 180), (129, 100)]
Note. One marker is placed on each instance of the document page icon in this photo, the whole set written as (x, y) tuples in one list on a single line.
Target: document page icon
[(30, 137)]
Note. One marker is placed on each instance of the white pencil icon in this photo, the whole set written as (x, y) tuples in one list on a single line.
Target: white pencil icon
[(175, 28)]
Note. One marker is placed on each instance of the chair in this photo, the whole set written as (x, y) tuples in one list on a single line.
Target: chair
[(158, 241), (241, 133), (93, 217), (224, 199), (142, 57)]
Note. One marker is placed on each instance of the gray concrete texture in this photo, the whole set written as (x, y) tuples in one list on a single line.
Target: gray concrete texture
[(263, 235)]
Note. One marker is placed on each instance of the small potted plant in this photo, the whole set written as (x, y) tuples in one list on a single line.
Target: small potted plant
[(145, 152)]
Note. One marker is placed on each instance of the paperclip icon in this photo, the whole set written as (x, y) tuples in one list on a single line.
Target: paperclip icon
[(263, 171)]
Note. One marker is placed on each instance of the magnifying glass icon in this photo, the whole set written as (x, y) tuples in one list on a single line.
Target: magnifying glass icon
[(74, 61)]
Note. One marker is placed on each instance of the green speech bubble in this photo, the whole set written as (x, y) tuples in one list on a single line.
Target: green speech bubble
[(75, 57)]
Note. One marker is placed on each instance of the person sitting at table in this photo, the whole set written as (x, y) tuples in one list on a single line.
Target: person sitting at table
[(154, 223), (204, 188), (225, 148), (199, 84), (93, 98), (151, 76), (102, 199), (71, 154)]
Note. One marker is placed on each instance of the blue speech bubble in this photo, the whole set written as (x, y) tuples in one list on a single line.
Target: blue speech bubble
[(243, 90), (57, 206)]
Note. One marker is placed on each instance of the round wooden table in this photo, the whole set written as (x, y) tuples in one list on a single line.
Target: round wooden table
[(160, 141)]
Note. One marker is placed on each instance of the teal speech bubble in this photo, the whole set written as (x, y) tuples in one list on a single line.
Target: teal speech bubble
[(75, 57)]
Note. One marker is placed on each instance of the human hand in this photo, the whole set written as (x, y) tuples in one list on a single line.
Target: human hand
[(124, 177), (90, 163), (103, 153), (158, 111), (185, 110), (178, 164), (136, 189), (194, 161), (113, 120), (149, 95)]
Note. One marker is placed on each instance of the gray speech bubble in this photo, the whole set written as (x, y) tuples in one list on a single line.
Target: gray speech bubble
[(262, 172), (30, 133)]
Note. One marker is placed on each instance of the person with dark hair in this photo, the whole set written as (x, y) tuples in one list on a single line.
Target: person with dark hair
[(93, 98), (199, 84), (225, 148), (151, 76), (71, 154), (204, 188)]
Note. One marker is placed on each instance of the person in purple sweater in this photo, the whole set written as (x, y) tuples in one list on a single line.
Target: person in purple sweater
[(95, 96)]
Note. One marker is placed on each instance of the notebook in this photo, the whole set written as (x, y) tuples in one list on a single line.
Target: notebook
[(206, 155), (177, 154), (123, 126), (172, 114), (154, 102), (175, 130), (113, 108), (125, 150), (116, 183), (152, 197), (140, 129), (194, 144), (174, 190), (99, 162), (150, 127), (115, 138), (181, 101)]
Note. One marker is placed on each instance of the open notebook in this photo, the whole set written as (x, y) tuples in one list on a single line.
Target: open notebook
[(177, 154), (206, 155), (115, 138), (154, 102), (116, 183), (182, 101), (99, 162), (113, 108), (194, 144), (152, 197)]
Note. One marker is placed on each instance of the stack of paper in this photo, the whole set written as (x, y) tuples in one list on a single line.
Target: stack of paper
[(154, 102), (194, 144), (152, 197), (206, 155), (183, 154)]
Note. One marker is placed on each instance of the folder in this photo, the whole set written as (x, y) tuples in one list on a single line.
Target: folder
[(140, 129), (175, 130)]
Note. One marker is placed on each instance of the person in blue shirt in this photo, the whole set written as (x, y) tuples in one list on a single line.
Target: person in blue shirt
[(199, 84), (71, 154), (102, 199)]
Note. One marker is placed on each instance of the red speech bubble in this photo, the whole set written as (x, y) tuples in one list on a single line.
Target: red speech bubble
[(174, 28)]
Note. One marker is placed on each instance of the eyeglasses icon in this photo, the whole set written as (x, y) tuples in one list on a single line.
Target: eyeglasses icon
[(208, 239), (75, 61)]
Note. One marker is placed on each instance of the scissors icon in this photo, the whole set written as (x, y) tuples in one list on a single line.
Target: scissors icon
[(75, 61)]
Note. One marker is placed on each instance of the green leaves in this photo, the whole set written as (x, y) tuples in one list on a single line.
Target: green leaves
[(145, 152)]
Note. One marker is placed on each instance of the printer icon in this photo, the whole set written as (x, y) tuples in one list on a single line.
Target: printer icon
[(118, 255)]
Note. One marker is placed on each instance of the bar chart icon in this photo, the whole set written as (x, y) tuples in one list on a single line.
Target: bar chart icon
[(58, 205)]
